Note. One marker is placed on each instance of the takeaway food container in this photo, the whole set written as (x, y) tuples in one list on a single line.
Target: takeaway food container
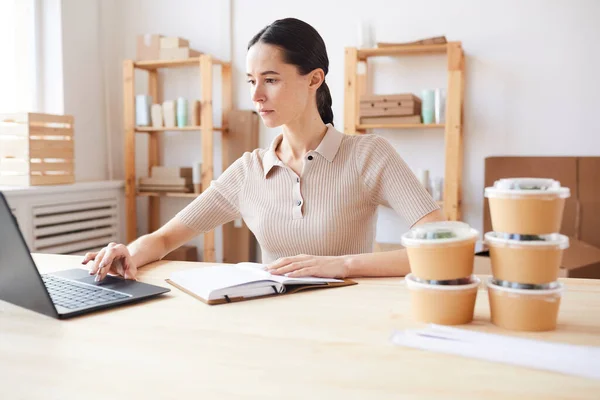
[(530, 206), (441, 250)]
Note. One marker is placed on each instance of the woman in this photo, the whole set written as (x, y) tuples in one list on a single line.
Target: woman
[(311, 198)]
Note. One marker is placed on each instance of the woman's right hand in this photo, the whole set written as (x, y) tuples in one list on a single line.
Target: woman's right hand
[(114, 258)]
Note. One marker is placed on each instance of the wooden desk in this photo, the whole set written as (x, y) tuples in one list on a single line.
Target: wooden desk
[(323, 344)]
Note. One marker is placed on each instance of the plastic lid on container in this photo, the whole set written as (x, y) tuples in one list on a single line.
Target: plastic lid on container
[(553, 288), (413, 282), (527, 187), (438, 233), (514, 239)]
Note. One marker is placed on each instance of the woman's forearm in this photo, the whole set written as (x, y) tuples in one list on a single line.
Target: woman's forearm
[(388, 263), (147, 249)]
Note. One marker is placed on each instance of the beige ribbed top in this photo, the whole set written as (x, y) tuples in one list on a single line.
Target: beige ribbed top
[(330, 209)]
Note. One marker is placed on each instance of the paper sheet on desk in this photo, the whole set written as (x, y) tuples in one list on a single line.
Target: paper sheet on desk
[(558, 357)]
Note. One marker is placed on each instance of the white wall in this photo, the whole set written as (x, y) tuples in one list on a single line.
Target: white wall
[(83, 88), (50, 64), (531, 75), (530, 82), (206, 25)]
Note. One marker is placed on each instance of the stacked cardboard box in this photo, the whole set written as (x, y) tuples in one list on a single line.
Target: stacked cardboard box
[(390, 109), (167, 179), (158, 47)]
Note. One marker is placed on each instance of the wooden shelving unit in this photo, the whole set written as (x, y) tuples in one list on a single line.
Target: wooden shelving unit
[(363, 127), (204, 64), (167, 194), (356, 86), (151, 129)]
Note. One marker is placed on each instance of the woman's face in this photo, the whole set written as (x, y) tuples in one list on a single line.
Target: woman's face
[(279, 93)]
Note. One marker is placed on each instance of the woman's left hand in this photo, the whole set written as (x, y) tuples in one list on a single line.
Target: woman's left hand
[(304, 265)]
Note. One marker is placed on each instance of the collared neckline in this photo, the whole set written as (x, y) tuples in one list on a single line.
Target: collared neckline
[(328, 148)]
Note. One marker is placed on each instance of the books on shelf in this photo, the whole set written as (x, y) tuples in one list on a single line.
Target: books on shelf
[(167, 179)]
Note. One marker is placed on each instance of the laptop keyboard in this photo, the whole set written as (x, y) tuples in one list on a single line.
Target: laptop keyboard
[(71, 294)]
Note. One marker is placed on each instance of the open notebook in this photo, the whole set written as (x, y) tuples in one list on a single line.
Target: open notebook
[(228, 283)]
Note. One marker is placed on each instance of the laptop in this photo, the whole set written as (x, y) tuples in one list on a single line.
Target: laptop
[(62, 294)]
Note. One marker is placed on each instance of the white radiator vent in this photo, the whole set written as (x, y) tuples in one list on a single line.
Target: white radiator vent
[(75, 228)]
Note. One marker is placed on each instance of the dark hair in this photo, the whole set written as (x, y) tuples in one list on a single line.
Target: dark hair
[(303, 47)]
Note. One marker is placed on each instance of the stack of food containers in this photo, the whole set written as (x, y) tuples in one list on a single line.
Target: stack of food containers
[(442, 286), (526, 252)]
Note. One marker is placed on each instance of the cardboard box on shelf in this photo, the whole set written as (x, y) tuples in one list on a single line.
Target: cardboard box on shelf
[(427, 41), (411, 119), (173, 42), (148, 47), (581, 217), (180, 53), (387, 103), (376, 98), (390, 111)]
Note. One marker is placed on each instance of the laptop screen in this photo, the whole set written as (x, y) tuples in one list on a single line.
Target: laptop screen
[(20, 282)]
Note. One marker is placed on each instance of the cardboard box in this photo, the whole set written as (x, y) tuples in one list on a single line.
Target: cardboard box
[(173, 42), (180, 53), (428, 41), (148, 47), (581, 218), (393, 111), (386, 104), (411, 119), (184, 253), (372, 98)]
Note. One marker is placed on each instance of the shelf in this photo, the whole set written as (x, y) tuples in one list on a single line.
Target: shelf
[(164, 128), (202, 71), (356, 85), (363, 54), (167, 194), (188, 62), (399, 126)]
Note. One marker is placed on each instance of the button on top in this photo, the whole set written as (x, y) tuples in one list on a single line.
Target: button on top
[(310, 158), (299, 203), (298, 180)]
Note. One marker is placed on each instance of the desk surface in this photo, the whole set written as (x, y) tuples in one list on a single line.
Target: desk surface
[(331, 343)]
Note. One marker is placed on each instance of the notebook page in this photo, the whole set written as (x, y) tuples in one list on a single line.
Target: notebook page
[(258, 269), (249, 290), (209, 282)]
